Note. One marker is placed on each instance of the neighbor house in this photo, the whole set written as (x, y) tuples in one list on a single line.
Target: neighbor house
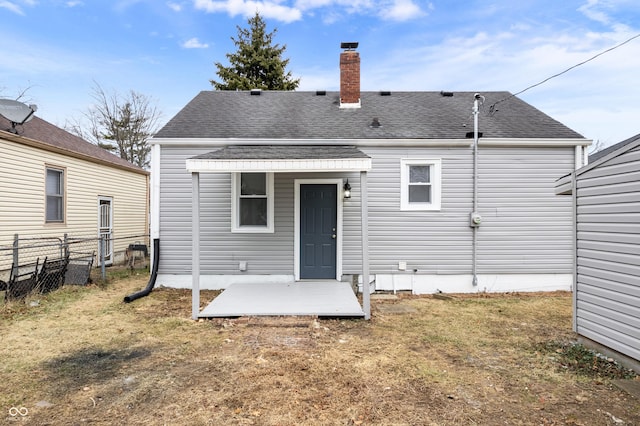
[(606, 195), (386, 188), (54, 183)]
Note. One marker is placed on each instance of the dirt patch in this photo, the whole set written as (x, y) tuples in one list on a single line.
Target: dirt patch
[(80, 355)]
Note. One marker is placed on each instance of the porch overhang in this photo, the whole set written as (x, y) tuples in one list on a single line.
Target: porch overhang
[(281, 159)]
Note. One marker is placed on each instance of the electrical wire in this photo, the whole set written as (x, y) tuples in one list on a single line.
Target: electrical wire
[(492, 107)]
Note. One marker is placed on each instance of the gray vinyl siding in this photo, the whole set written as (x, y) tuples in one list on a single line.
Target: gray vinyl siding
[(221, 250), (608, 253), (429, 241), (525, 228)]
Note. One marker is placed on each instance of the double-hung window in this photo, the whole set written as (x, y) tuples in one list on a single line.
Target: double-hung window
[(252, 206), (420, 184), (54, 186)]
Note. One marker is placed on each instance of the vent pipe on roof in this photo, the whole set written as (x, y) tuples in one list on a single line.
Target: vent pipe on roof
[(349, 76)]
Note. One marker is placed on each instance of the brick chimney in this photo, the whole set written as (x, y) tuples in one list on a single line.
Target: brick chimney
[(349, 76)]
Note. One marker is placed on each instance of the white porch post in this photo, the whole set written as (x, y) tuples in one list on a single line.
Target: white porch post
[(195, 249), (364, 211)]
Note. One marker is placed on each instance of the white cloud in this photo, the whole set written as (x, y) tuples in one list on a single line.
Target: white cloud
[(333, 10), (12, 7), (591, 11), (176, 7), (194, 43), (74, 3), (248, 8), (402, 10)]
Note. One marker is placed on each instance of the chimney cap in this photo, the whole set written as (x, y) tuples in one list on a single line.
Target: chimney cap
[(349, 45)]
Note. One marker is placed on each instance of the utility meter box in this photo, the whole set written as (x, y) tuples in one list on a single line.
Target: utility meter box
[(475, 219)]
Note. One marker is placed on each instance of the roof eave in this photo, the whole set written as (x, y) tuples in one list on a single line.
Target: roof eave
[(400, 142), (52, 148), (194, 165)]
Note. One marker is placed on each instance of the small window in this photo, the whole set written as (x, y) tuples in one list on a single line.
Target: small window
[(252, 202), (420, 181), (55, 195)]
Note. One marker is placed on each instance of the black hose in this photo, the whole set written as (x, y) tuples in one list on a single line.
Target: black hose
[(152, 279)]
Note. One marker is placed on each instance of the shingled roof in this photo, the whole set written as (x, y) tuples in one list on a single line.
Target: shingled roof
[(603, 153), (317, 115), (41, 133)]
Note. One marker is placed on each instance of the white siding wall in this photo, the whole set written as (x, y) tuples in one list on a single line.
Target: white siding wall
[(608, 254), (22, 195), (526, 228)]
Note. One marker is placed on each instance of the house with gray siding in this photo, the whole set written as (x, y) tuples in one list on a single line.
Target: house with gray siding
[(606, 195), (403, 191)]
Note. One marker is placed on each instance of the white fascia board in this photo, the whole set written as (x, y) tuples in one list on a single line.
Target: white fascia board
[(532, 142), (216, 143), (463, 142), (279, 166)]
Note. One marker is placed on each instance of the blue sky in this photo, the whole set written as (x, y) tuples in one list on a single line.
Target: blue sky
[(167, 49)]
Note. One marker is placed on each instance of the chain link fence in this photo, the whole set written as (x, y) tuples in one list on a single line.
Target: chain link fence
[(39, 264)]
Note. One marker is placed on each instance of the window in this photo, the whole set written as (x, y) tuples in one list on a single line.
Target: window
[(420, 181), (55, 195), (252, 209)]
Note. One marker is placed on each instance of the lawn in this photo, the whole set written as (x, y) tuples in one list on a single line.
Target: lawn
[(82, 356)]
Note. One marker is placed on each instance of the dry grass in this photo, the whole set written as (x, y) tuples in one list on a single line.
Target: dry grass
[(83, 356)]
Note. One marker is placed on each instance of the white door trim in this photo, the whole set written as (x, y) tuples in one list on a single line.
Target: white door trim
[(296, 251), (106, 230)]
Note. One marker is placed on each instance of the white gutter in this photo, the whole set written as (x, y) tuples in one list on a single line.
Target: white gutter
[(462, 142)]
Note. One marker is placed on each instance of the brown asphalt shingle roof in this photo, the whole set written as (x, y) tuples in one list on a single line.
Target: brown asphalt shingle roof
[(54, 138)]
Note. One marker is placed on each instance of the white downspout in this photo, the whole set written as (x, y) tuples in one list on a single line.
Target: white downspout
[(155, 191), (578, 157), (154, 201)]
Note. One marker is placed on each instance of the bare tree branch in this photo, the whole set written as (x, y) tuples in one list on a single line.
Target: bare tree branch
[(120, 124)]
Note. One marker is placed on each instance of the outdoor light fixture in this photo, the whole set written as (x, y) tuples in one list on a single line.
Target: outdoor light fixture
[(347, 190)]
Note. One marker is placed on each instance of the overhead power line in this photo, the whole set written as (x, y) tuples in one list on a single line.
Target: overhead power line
[(492, 107)]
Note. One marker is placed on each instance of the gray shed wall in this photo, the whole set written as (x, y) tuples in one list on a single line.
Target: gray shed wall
[(608, 253), (525, 229)]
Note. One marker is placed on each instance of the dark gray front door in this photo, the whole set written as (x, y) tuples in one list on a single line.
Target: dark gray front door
[(318, 221)]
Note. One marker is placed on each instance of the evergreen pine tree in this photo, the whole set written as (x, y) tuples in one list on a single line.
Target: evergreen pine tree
[(257, 64)]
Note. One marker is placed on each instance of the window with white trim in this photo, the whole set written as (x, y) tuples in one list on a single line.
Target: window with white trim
[(54, 188), (420, 184), (252, 206)]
